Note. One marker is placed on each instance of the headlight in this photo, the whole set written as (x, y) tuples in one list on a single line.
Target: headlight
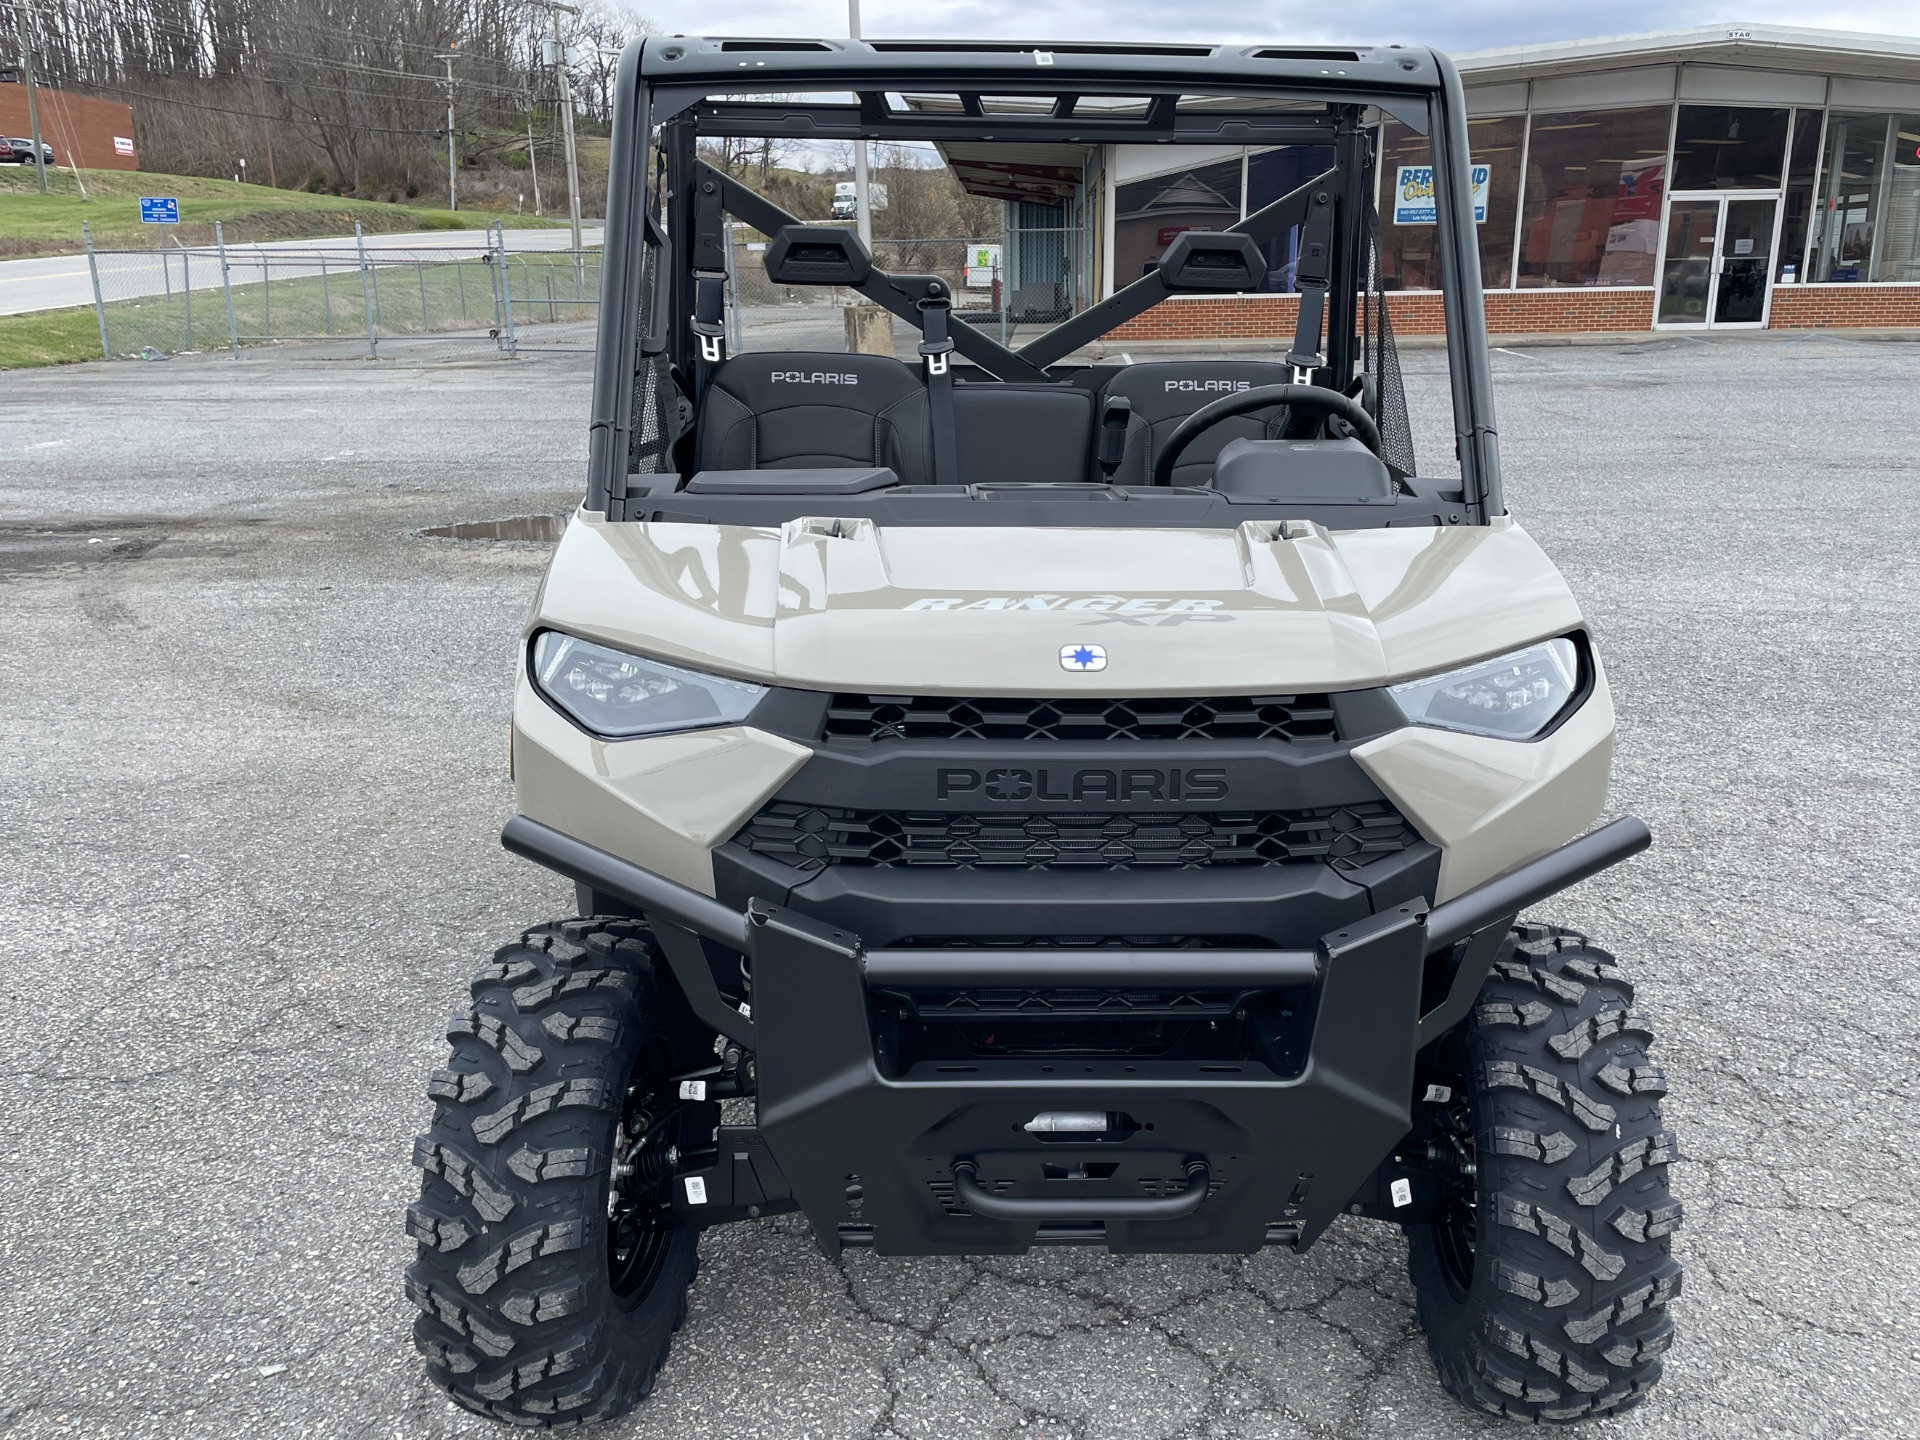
[(611, 693), (1513, 696)]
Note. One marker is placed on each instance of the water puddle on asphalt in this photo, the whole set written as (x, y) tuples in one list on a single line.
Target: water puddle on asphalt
[(525, 529)]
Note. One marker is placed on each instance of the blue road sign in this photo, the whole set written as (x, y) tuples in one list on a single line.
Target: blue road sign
[(159, 210)]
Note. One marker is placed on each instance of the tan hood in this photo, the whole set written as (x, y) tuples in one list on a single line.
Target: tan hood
[(844, 605)]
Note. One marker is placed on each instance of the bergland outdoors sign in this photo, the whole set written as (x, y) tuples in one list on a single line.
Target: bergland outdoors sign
[(1413, 194)]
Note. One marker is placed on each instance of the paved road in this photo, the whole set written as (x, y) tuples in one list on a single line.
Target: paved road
[(253, 756), (58, 282)]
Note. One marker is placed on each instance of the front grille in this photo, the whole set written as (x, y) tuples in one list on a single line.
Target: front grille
[(1084, 718), (1032, 1004), (812, 837)]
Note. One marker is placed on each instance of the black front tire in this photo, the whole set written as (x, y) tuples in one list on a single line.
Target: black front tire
[(1543, 1290), (542, 1304)]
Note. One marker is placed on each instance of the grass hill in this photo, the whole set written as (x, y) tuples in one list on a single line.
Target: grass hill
[(36, 224)]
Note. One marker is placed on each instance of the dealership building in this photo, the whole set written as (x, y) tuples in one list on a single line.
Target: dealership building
[(1723, 177)]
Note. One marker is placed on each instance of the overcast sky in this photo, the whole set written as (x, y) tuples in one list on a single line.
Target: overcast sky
[(1460, 25)]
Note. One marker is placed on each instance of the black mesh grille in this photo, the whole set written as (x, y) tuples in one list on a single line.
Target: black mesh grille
[(812, 837), (1383, 360), (1033, 1004), (650, 439), (1086, 718)]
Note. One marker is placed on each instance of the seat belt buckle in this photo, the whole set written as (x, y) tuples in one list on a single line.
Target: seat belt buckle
[(1304, 366), (937, 353), (713, 340)]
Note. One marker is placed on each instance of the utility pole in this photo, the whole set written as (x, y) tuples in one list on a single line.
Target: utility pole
[(566, 121), (533, 163), (33, 108), (266, 125), (862, 202), (452, 200)]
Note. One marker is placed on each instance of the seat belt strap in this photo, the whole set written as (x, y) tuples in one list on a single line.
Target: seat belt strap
[(936, 348), (1312, 274), (709, 328)]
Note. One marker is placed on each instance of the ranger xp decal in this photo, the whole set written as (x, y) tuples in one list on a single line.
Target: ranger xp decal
[(1099, 604)]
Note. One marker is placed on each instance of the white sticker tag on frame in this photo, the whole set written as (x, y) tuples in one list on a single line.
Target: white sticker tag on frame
[(1401, 1190), (693, 1089), (1438, 1094), (697, 1189)]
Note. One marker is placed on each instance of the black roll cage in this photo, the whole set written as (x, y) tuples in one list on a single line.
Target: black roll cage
[(668, 84)]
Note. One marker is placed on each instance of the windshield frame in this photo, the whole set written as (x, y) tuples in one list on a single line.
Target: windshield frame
[(667, 85)]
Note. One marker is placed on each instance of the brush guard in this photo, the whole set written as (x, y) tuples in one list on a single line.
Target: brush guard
[(944, 1158)]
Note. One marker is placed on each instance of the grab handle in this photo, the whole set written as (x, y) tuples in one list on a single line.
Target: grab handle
[(981, 1201)]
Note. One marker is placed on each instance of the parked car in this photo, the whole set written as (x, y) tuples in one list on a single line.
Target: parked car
[(20, 152)]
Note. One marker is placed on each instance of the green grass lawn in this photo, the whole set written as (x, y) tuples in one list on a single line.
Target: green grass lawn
[(439, 297), (36, 224)]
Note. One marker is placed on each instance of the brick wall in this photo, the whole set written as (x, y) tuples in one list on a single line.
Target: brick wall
[(1520, 312), (1809, 307), (72, 122)]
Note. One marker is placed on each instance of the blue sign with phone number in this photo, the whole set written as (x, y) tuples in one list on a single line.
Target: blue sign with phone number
[(159, 210), (1413, 194)]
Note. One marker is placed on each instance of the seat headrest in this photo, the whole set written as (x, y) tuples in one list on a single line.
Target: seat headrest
[(817, 255), (1205, 260)]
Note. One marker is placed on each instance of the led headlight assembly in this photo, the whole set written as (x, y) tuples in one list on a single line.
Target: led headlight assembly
[(618, 695), (1512, 697)]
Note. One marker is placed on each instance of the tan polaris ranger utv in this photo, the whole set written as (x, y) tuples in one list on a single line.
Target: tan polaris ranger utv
[(1016, 802)]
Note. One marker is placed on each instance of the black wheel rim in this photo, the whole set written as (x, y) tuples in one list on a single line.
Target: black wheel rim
[(1456, 1232), (640, 1218)]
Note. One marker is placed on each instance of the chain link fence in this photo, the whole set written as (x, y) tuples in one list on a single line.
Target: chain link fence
[(470, 294)]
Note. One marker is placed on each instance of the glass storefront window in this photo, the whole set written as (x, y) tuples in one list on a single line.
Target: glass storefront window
[(1853, 175), (1148, 213), (1899, 257), (1406, 251), (1271, 174), (1728, 147), (1495, 143), (1797, 212), (1595, 179)]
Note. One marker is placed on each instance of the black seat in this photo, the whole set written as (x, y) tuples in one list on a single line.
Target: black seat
[(1022, 433), (1165, 392), (805, 409)]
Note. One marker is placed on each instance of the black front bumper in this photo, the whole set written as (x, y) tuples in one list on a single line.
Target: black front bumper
[(880, 1149)]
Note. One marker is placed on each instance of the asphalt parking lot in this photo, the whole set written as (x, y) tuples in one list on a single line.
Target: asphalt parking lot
[(253, 757)]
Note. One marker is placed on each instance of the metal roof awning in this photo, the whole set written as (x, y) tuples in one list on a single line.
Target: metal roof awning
[(1045, 173), (1760, 47)]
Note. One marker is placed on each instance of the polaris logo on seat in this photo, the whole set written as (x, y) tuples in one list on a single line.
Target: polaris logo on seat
[(1112, 787), (1223, 387), (812, 377)]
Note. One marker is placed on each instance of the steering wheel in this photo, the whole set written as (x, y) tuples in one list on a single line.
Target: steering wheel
[(1296, 397)]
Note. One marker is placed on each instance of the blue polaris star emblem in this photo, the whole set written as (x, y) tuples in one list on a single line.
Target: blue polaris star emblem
[(1083, 657)]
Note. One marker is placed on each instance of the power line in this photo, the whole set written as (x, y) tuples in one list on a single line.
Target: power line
[(416, 131)]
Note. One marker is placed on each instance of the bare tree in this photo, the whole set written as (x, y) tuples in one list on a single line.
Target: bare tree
[(348, 95)]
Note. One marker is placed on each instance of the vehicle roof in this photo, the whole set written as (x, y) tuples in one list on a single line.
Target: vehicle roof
[(757, 63)]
